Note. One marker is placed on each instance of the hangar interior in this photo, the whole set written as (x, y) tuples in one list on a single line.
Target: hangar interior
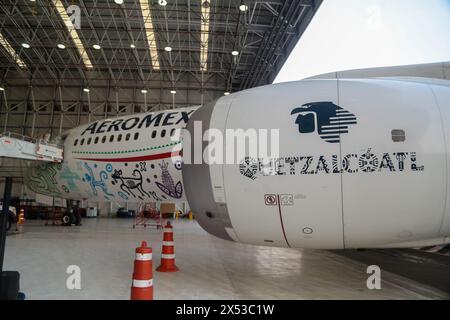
[(133, 57), (65, 63)]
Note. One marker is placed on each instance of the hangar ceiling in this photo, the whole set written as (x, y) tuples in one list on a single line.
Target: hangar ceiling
[(66, 62)]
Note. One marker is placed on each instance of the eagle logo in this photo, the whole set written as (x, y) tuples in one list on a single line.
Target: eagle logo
[(325, 118)]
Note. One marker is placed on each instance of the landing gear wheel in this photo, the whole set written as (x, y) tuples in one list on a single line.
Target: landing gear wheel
[(68, 219), (76, 219)]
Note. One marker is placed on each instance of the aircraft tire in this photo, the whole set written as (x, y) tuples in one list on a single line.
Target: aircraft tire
[(68, 219), (76, 219)]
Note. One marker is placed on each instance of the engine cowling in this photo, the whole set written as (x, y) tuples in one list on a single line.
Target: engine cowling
[(362, 163)]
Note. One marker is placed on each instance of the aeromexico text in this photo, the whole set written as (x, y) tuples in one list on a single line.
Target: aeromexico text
[(151, 119), (351, 163)]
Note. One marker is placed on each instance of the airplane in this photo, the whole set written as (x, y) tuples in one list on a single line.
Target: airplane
[(363, 162), (122, 159)]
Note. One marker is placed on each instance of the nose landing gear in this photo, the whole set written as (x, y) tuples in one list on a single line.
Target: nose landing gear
[(72, 216)]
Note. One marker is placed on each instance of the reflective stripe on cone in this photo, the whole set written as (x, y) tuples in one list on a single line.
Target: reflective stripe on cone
[(142, 283), (143, 256)]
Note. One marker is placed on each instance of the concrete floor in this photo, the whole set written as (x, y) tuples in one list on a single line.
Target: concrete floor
[(210, 268)]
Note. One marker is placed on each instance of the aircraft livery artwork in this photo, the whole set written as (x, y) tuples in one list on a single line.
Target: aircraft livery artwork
[(107, 183)]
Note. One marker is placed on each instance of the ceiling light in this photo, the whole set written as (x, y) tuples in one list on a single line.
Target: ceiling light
[(168, 49), (204, 35), (2, 89), (25, 45), (234, 53), (173, 91), (226, 93), (150, 34), (73, 33), (86, 90), (132, 46), (144, 91), (12, 52), (118, 1), (243, 7), (162, 3), (96, 47), (61, 46)]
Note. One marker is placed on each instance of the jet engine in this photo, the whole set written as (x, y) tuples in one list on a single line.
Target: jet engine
[(360, 163)]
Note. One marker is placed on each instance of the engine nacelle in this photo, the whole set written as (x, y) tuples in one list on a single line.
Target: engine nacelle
[(362, 163)]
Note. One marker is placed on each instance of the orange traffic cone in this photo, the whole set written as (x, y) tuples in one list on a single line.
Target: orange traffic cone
[(168, 251), (20, 220), (142, 287)]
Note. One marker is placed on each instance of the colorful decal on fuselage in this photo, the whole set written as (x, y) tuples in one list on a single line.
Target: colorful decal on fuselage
[(70, 177), (89, 177), (109, 167), (42, 179), (132, 184), (128, 184), (123, 195), (168, 186)]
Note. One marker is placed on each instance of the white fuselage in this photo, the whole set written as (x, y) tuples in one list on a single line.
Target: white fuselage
[(134, 158)]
